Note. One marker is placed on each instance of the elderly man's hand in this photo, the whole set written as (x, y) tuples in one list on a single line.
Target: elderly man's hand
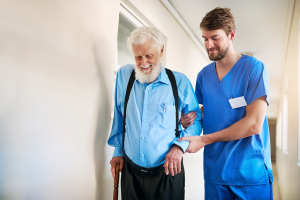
[(114, 161), (188, 119), (173, 160)]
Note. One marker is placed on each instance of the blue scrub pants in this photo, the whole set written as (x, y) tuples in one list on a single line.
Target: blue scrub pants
[(229, 192)]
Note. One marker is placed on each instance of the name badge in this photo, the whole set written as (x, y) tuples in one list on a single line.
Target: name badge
[(237, 102)]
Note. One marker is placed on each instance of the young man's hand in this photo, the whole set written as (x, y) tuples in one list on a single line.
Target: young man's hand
[(188, 119), (196, 143)]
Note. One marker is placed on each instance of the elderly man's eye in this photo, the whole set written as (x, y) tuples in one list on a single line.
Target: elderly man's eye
[(149, 56)]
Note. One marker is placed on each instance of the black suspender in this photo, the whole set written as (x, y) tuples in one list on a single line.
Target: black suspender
[(175, 94), (129, 86)]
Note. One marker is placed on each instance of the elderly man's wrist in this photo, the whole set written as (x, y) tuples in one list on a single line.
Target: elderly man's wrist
[(178, 147)]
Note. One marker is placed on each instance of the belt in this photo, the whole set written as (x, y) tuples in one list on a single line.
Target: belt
[(144, 170)]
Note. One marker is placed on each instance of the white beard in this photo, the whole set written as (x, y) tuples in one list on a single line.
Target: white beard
[(149, 78)]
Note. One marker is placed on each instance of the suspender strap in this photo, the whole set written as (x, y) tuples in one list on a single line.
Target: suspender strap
[(175, 94), (129, 86)]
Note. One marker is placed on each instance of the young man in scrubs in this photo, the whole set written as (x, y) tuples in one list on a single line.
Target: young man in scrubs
[(234, 92)]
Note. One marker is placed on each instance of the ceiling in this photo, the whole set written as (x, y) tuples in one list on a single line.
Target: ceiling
[(262, 29)]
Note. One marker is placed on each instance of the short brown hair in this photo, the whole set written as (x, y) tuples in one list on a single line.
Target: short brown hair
[(218, 18)]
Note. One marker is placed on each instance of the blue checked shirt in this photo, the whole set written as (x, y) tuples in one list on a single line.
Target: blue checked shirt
[(150, 118)]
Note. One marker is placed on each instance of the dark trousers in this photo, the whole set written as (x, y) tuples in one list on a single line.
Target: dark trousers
[(150, 183)]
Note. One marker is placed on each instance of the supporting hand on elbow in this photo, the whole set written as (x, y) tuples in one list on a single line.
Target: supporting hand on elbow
[(196, 143), (188, 119)]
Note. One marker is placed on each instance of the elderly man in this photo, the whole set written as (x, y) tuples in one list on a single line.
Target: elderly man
[(147, 99), (234, 92)]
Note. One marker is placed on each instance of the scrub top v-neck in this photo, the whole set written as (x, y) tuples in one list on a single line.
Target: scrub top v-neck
[(240, 162), (228, 73)]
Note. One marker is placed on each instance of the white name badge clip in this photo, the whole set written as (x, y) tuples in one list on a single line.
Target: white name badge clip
[(237, 102)]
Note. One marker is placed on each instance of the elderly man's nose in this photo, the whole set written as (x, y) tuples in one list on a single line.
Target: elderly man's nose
[(144, 61)]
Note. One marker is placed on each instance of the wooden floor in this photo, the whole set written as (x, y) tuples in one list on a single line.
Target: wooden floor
[(276, 193)]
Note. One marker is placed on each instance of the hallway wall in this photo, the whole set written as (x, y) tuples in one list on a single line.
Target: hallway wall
[(56, 69), (288, 170), (56, 73)]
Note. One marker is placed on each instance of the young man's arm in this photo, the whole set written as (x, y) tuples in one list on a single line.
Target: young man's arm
[(250, 125)]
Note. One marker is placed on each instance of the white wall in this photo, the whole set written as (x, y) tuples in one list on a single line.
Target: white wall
[(288, 170), (56, 75)]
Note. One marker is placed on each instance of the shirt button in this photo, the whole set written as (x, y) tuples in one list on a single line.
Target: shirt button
[(148, 88), (147, 104), (144, 120), (143, 138), (142, 155)]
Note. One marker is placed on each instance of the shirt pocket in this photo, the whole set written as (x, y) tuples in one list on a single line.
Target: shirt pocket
[(250, 167), (165, 117)]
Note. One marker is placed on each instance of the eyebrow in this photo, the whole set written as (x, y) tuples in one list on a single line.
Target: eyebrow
[(145, 55), (211, 36)]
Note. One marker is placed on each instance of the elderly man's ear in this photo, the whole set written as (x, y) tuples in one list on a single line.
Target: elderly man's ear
[(162, 51)]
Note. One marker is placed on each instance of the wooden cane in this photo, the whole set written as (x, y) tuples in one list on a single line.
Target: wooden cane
[(116, 182)]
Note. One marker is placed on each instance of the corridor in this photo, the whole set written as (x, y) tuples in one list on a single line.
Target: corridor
[(58, 68), (276, 193)]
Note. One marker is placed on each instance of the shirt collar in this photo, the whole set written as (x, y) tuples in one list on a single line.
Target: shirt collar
[(163, 77)]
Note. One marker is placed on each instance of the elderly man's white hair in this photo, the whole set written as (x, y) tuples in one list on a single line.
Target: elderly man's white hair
[(142, 34)]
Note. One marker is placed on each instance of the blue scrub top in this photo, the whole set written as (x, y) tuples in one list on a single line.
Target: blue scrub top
[(241, 162)]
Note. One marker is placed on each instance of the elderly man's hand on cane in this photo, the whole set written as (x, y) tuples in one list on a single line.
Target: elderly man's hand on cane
[(114, 161), (117, 164)]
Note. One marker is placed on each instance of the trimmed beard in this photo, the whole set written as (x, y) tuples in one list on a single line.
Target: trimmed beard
[(221, 54), (149, 78)]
